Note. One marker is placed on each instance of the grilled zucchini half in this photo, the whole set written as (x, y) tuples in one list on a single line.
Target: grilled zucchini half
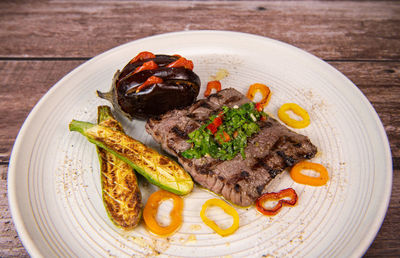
[(156, 168), (121, 193)]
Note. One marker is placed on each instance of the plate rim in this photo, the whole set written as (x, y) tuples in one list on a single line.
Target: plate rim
[(16, 215)]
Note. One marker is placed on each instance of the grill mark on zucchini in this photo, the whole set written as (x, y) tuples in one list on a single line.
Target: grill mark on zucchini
[(120, 189), (143, 159)]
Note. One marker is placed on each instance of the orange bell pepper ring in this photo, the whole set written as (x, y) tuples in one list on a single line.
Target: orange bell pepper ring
[(212, 85), (279, 196), (297, 175), (151, 208), (265, 92)]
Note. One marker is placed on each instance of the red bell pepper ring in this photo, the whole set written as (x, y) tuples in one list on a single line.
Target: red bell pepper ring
[(213, 126), (216, 85), (142, 56), (279, 196)]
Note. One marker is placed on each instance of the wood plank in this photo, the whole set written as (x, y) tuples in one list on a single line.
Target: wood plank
[(386, 243), (380, 83), (23, 84), (10, 243), (331, 30)]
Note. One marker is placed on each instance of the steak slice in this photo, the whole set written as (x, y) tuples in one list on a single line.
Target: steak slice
[(239, 180)]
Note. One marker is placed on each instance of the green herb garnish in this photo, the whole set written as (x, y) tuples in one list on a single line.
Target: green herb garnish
[(225, 140)]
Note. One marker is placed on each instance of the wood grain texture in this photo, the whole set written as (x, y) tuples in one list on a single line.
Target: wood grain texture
[(22, 84), (44, 40), (10, 245), (331, 30), (380, 83)]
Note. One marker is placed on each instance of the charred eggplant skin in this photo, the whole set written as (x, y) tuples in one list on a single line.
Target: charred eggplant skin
[(179, 88)]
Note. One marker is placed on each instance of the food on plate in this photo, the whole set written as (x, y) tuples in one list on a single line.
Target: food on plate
[(265, 93), (151, 209), (282, 198), (240, 180), (299, 177), (228, 209), (156, 168), (150, 85), (284, 116), (212, 85), (120, 189), (225, 135), (221, 74)]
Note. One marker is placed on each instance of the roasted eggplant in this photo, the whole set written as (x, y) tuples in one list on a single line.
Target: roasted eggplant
[(150, 85)]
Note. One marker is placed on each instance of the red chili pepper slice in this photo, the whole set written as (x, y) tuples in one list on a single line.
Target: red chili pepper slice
[(218, 121), (263, 118), (213, 127), (222, 137), (279, 196), (181, 62), (227, 138), (216, 85), (259, 107), (142, 56), (151, 80), (150, 65)]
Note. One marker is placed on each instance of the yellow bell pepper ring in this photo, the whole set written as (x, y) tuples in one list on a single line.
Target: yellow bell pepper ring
[(151, 208), (284, 116), (299, 177), (228, 209)]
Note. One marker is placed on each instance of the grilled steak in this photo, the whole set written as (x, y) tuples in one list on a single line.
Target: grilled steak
[(239, 180)]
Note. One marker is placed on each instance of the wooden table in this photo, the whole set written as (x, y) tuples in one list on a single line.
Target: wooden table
[(41, 41)]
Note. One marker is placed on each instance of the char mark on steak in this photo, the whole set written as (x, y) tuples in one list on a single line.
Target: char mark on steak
[(239, 180)]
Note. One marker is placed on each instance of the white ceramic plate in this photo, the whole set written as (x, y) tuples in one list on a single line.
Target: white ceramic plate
[(54, 185)]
